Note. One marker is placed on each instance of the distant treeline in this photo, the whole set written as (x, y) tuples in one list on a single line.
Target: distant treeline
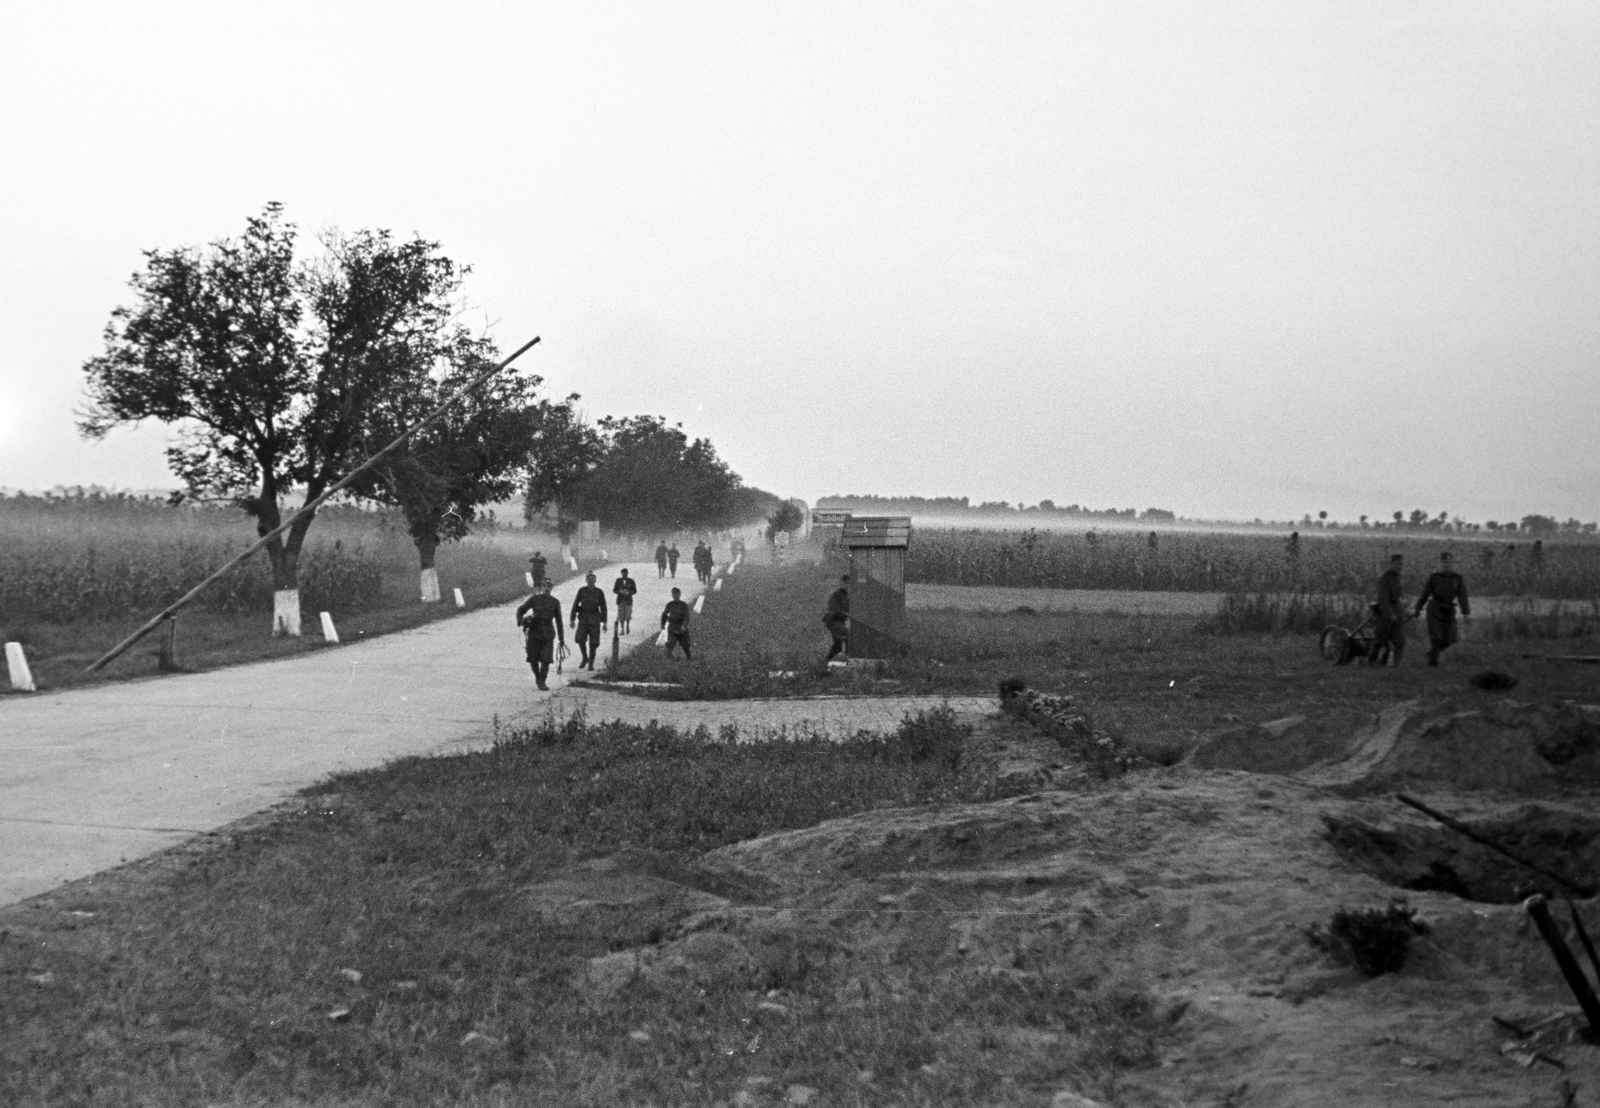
[(1416, 520), (961, 505)]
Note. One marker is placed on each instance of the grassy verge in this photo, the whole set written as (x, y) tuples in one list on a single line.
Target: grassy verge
[(58, 653), (378, 945)]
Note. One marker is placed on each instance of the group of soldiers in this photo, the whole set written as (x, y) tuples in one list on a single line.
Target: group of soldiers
[(1443, 594), (666, 559), (539, 618), (704, 562)]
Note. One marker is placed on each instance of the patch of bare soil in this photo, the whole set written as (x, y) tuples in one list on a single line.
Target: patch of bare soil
[(1199, 883)]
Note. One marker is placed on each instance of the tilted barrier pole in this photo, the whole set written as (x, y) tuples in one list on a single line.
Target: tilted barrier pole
[(309, 508)]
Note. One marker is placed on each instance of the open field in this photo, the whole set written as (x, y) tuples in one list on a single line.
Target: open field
[(80, 574), (766, 622), (1565, 567)]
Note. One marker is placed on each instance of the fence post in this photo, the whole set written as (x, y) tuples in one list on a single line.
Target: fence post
[(167, 660), (17, 663), (328, 631)]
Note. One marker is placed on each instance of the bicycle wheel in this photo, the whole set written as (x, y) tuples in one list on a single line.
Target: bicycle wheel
[(1332, 644)]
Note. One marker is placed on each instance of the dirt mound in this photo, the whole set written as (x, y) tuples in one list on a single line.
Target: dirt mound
[(1506, 746), (1278, 746)]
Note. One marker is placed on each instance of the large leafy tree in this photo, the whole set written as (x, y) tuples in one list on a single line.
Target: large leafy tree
[(567, 448), (268, 366), (651, 478), (477, 454)]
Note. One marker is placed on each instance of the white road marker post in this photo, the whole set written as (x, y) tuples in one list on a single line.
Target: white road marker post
[(17, 663), (529, 577), (461, 601), (328, 631), (718, 585), (700, 602), (661, 639)]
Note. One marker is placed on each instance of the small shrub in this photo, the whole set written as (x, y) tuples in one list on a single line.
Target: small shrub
[(932, 735), (1011, 690), (1374, 939)]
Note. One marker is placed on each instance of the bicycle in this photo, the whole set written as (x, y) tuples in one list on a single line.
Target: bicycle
[(1341, 646)]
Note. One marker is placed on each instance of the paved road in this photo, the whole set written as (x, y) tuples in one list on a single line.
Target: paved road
[(93, 777)]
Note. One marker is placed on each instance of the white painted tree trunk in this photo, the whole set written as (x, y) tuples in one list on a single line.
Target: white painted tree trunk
[(17, 663), (430, 585), (286, 612)]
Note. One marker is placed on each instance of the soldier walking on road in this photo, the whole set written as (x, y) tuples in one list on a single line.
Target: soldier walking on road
[(539, 616), (1443, 592), (661, 558), (675, 621), (837, 618), (625, 588), (536, 566), (672, 560), (1390, 634), (588, 620)]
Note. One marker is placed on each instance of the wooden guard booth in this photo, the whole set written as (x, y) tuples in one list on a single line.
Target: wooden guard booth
[(877, 546)]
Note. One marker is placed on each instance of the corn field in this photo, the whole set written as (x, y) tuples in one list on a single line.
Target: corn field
[(68, 558), (1318, 565)]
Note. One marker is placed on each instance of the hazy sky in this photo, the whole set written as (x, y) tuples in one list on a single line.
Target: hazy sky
[(1233, 258)]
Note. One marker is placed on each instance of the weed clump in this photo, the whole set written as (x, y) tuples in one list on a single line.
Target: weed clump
[(1284, 613), (1375, 940), (933, 735)]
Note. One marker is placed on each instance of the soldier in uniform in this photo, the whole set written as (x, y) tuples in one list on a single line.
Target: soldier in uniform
[(539, 616), (837, 618), (675, 621), (1390, 632), (588, 620), (536, 566), (1443, 592), (625, 588), (672, 559), (661, 558)]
